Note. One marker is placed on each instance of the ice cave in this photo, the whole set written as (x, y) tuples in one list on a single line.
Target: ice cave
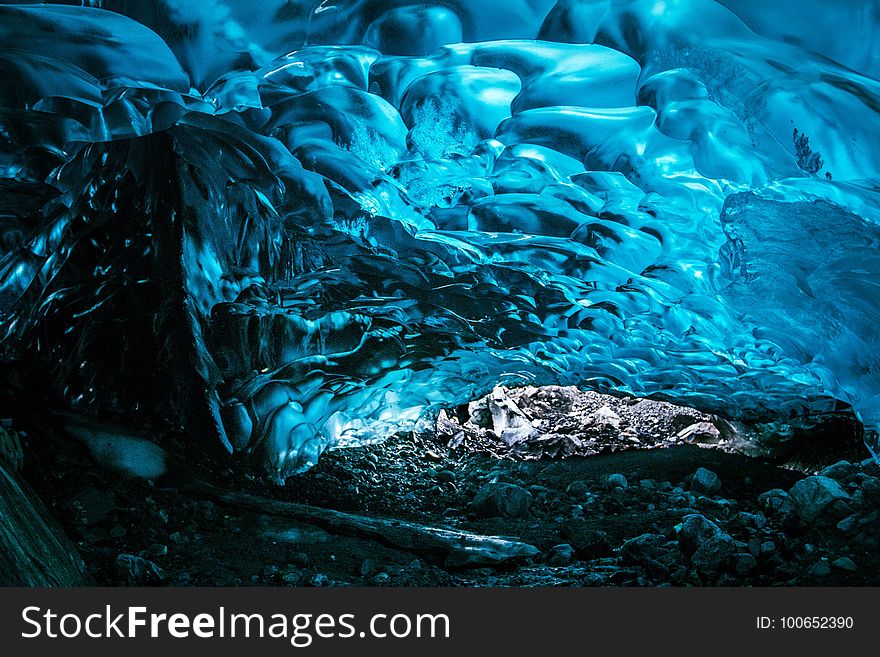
[(240, 239)]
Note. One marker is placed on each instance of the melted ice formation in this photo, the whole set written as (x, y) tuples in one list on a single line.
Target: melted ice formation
[(298, 227)]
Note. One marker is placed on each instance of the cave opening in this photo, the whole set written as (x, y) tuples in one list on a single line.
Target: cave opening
[(299, 245), (524, 486)]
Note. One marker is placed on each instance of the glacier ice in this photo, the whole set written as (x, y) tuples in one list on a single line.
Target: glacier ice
[(292, 226)]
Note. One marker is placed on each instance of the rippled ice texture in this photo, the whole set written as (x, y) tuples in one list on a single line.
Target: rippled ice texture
[(419, 201)]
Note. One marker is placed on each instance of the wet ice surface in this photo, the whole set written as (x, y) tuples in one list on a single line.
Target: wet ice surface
[(302, 227)]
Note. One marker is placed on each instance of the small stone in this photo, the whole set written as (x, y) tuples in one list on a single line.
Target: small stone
[(813, 496), (776, 502), (849, 523), (706, 481), (291, 575), (617, 494), (844, 563), (745, 563), (616, 481), (870, 489), (319, 580), (447, 476), (820, 569), (768, 547), (380, 579), (299, 559), (578, 489), (137, 571), (560, 555), (158, 550), (501, 500), (745, 520)]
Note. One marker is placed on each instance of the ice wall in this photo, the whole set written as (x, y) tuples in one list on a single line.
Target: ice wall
[(287, 226)]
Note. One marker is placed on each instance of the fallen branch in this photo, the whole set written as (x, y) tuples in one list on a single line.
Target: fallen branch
[(452, 548)]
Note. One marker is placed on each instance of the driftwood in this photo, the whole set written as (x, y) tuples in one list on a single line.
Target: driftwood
[(450, 547), (33, 551)]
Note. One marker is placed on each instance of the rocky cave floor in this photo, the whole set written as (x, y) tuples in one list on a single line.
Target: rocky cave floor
[(567, 472)]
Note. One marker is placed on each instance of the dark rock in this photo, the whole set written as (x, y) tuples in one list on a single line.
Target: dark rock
[(578, 489), (560, 555), (776, 502), (820, 569), (587, 542), (319, 580), (616, 481), (755, 546), (653, 552), (501, 500), (445, 476), (93, 505), (158, 550), (705, 481), (291, 575), (380, 579), (745, 520), (840, 471), (710, 549), (137, 571), (844, 563), (870, 489), (848, 524), (299, 559), (745, 563), (813, 496)]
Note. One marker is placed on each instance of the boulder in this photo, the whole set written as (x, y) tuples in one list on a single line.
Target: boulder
[(840, 471), (871, 491), (814, 496), (616, 481), (710, 548), (501, 500), (578, 489), (652, 552), (705, 481), (560, 555), (776, 502)]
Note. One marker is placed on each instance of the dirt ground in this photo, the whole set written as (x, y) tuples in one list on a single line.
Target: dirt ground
[(581, 514)]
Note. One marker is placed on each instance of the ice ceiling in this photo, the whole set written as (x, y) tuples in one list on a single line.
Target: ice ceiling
[(295, 225)]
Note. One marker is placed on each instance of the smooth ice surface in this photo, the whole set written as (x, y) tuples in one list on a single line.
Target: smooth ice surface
[(298, 226)]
